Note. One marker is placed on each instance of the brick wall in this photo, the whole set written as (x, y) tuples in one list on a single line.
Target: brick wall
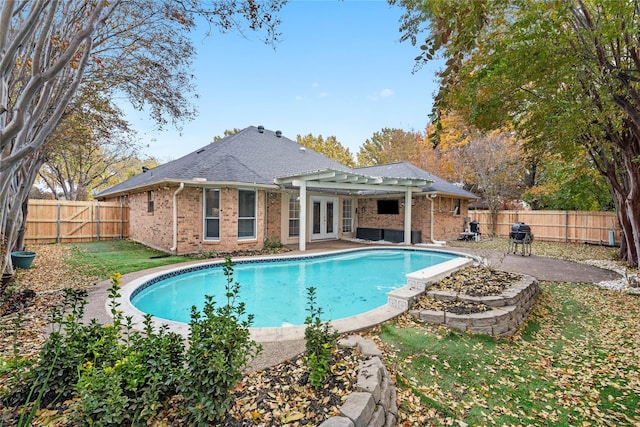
[(155, 228), (368, 216), (274, 214), (152, 228), (190, 220), (447, 224), (229, 224)]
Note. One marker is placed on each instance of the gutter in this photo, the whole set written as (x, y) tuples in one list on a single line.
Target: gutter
[(175, 217), (430, 198)]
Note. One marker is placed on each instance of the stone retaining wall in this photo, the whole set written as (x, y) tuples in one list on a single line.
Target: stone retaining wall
[(510, 310), (373, 404)]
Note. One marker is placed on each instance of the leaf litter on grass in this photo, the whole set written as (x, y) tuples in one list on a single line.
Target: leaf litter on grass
[(576, 362)]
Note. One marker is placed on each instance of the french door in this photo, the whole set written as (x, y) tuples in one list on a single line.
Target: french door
[(324, 218)]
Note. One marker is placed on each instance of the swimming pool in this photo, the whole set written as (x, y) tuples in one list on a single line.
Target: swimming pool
[(274, 290)]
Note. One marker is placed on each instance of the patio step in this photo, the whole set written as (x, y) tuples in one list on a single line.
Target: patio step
[(419, 281)]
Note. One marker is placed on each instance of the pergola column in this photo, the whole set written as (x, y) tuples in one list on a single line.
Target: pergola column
[(407, 217), (302, 243)]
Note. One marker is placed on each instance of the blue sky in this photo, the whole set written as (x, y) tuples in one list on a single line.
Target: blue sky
[(338, 70)]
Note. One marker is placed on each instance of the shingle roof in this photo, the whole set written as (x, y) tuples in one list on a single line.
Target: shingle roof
[(251, 156), (257, 156), (407, 170)]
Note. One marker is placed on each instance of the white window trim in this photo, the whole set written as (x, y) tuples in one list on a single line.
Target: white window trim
[(205, 217), (351, 215), (297, 201), (254, 217)]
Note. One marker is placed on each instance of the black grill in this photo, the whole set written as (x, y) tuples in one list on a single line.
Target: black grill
[(522, 236)]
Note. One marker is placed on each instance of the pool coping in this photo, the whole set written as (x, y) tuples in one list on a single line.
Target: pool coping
[(284, 333)]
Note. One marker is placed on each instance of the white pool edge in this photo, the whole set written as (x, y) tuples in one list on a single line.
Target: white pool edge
[(269, 334)]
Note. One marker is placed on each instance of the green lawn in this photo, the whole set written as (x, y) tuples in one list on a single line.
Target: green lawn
[(101, 259), (575, 364)]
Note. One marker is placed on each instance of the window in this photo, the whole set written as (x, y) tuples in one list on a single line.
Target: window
[(247, 214), (456, 209), (347, 215), (212, 214), (388, 207), (149, 201), (294, 216)]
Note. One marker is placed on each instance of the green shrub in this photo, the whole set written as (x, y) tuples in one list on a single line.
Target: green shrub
[(131, 389), (219, 348), (122, 376), (62, 353), (272, 244), (320, 342)]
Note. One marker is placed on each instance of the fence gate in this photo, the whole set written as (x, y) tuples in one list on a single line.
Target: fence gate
[(60, 221)]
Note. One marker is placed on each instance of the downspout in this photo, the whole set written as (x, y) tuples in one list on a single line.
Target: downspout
[(430, 197), (175, 217)]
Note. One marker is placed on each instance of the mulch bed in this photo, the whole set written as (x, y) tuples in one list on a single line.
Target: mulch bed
[(281, 395), (473, 281), (478, 281)]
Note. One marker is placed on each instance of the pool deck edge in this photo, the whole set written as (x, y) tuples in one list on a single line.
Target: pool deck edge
[(99, 305)]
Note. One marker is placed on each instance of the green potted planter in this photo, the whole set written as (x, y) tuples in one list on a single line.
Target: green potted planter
[(22, 259)]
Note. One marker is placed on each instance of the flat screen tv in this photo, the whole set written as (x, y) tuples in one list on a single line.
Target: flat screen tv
[(388, 207)]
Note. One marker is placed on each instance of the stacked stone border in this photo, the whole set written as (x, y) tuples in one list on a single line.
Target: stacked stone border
[(509, 310), (374, 403)]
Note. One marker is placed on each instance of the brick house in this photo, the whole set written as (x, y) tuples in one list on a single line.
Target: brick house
[(257, 184)]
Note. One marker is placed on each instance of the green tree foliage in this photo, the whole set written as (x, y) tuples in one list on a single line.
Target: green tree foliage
[(329, 147), (564, 74), (88, 148), (390, 146), (569, 185)]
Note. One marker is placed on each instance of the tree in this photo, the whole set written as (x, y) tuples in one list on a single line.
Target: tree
[(451, 140), (227, 132), (136, 48), (329, 147), (494, 162), (572, 184), (87, 147), (565, 75), (390, 146)]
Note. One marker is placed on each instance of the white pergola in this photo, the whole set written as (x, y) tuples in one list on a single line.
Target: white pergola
[(341, 180)]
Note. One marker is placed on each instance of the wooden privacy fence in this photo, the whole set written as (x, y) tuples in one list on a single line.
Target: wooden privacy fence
[(61, 221), (557, 226)]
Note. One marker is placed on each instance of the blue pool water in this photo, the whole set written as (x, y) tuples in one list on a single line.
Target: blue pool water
[(275, 292)]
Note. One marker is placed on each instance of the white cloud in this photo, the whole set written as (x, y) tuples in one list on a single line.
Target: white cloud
[(384, 93), (323, 94)]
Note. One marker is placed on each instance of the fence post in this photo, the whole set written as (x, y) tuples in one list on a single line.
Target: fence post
[(121, 220), (98, 221), (58, 225), (566, 226)]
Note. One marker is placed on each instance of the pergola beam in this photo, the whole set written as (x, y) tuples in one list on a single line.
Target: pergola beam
[(341, 180)]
